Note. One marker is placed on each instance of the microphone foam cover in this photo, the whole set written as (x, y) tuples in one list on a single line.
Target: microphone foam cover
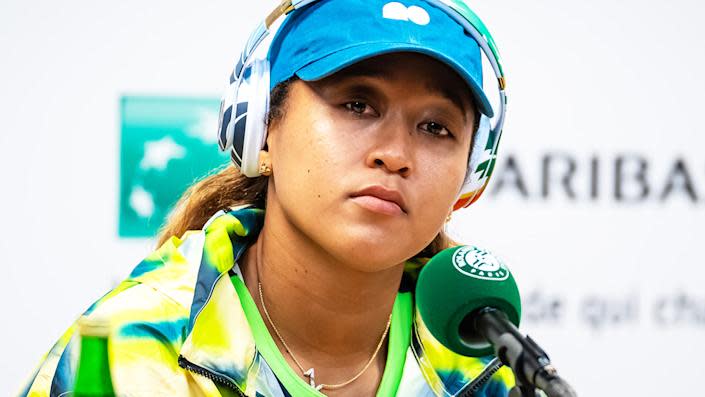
[(458, 282)]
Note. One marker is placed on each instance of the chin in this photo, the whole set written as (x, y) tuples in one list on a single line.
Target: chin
[(369, 254), (370, 265)]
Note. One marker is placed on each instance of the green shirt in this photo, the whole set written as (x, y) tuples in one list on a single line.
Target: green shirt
[(399, 338)]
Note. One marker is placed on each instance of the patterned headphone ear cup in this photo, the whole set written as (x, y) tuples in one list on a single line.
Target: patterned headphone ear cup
[(247, 126), (223, 121), (228, 112), (256, 126), (480, 163)]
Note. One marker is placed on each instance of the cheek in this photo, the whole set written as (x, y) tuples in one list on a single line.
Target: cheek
[(307, 165), (441, 183)]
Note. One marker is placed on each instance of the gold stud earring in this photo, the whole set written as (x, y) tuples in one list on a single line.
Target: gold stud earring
[(265, 169), (450, 214)]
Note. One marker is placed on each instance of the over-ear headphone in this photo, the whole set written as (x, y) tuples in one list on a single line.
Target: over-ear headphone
[(242, 125)]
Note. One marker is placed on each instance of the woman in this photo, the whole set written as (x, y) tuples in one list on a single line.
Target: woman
[(300, 281)]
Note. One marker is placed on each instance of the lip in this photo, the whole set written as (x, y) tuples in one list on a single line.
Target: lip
[(384, 194)]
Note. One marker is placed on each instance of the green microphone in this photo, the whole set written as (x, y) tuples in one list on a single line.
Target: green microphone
[(470, 302), (458, 283)]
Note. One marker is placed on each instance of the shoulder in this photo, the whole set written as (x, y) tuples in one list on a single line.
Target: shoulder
[(148, 314), (448, 373), (153, 303)]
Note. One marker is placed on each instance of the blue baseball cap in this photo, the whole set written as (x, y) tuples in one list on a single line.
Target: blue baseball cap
[(329, 35)]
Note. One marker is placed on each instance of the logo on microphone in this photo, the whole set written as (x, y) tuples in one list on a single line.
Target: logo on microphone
[(478, 263)]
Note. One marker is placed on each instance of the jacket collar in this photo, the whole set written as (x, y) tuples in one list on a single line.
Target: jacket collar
[(219, 337)]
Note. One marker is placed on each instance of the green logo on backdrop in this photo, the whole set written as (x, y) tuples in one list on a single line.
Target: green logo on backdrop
[(166, 144)]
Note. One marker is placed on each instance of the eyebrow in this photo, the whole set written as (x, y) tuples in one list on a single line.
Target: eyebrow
[(444, 91), (451, 95)]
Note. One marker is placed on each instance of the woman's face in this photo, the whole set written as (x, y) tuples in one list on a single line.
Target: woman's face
[(398, 124)]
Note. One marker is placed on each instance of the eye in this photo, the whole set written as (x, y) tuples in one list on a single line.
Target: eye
[(435, 128), (360, 108)]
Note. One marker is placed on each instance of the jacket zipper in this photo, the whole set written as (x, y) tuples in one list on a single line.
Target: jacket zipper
[(467, 391), (485, 375), (184, 363)]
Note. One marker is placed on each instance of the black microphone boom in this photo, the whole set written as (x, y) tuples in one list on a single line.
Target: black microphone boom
[(531, 365)]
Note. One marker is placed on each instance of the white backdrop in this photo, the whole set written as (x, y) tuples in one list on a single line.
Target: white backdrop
[(608, 257)]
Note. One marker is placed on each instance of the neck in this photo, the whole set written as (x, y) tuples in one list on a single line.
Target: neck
[(303, 285)]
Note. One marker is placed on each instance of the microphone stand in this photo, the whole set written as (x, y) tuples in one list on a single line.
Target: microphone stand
[(531, 365)]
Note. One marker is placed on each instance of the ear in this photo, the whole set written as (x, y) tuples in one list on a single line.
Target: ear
[(269, 139)]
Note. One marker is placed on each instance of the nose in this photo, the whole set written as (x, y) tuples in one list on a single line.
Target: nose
[(392, 150)]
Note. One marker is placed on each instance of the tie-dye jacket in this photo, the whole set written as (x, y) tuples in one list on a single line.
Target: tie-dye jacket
[(179, 329)]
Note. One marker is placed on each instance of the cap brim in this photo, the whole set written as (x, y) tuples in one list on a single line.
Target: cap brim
[(339, 60)]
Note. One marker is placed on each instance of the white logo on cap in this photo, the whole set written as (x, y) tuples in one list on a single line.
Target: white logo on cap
[(400, 12)]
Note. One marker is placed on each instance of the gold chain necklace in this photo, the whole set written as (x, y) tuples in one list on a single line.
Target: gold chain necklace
[(310, 373)]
